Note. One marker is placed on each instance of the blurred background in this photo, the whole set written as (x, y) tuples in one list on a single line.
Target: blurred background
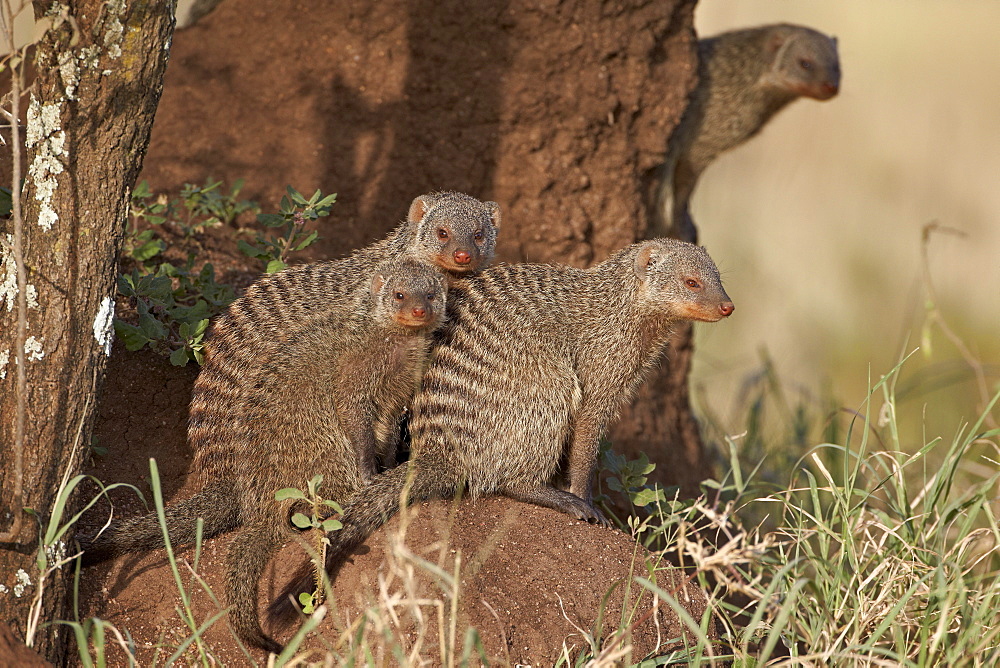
[(817, 223)]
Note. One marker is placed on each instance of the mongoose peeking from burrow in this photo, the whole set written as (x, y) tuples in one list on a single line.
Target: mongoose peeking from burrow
[(745, 77), (533, 363), (308, 373)]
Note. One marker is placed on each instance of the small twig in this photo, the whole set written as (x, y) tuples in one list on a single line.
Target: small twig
[(935, 316)]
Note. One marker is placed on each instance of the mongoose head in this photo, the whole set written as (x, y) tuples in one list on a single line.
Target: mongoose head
[(680, 280), (805, 62), (456, 232), (409, 296)]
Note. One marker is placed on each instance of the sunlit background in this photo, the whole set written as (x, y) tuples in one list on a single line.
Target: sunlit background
[(817, 223)]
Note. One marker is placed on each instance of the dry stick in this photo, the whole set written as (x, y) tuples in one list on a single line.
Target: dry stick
[(22, 305), (936, 317)]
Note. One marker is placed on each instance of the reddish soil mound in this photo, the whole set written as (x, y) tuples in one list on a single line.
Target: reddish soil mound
[(531, 580)]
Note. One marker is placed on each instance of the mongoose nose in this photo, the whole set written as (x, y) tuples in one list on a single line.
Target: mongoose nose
[(419, 312), (830, 89), (462, 257), (726, 309)]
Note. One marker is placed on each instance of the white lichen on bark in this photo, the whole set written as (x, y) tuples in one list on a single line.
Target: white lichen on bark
[(8, 281), (103, 324), (4, 361), (23, 581), (33, 348), (43, 130), (114, 31)]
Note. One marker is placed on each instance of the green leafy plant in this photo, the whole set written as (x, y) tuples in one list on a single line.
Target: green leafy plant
[(139, 244), (289, 228), (173, 307), (202, 207), (321, 522), (628, 478)]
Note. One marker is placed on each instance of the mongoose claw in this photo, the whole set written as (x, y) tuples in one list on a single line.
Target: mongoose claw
[(582, 509)]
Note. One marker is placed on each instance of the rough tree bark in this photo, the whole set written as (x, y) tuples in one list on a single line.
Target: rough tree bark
[(99, 71)]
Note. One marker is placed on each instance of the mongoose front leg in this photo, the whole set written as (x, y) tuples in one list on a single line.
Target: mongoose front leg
[(583, 458), (557, 499)]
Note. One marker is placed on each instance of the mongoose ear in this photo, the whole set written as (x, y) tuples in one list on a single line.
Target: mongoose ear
[(377, 283), (419, 208), (783, 44), (644, 259), (494, 210)]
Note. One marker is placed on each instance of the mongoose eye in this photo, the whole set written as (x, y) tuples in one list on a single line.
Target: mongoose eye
[(399, 296), (806, 64), (692, 283), (430, 296), (442, 233), (479, 235)]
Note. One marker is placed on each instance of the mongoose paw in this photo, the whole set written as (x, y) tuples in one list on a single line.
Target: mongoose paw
[(584, 510)]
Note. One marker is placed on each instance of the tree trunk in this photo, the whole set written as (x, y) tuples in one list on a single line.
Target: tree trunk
[(99, 71)]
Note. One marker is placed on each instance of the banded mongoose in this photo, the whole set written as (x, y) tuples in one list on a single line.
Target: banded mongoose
[(531, 366), (745, 78), (307, 374)]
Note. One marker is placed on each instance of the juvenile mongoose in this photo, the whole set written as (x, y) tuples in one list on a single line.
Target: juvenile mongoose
[(308, 373), (532, 364), (745, 78)]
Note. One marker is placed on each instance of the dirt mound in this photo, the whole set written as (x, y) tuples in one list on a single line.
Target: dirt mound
[(530, 580)]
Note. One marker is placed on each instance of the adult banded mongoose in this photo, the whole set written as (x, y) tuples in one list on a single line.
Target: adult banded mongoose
[(745, 77), (306, 374), (533, 363)]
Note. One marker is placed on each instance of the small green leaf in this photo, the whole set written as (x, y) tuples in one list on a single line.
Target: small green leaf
[(333, 504), (332, 525), (296, 196), (301, 521), (131, 335), (646, 496), (289, 493), (308, 240), (275, 266), (142, 190), (179, 357), (250, 251)]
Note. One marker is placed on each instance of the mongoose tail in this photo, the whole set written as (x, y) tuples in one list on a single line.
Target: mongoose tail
[(217, 505), (367, 510)]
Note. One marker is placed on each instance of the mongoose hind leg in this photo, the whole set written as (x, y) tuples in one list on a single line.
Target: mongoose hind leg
[(557, 499)]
